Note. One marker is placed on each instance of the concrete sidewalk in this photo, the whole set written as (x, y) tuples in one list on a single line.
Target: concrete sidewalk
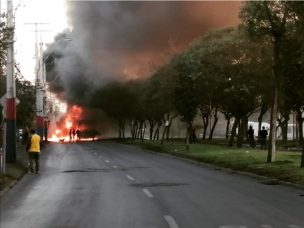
[(14, 171)]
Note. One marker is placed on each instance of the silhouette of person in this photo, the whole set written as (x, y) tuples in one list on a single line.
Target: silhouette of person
[(263, 138), (73, 134), (78, 134), (250, 134)]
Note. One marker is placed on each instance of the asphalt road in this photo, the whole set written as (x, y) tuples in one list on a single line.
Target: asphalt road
[(107, 185)]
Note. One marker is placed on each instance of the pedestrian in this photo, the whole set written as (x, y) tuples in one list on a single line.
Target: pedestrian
[(70, 134), (25, 135), (73, 134), (250, 134), (263, 138), (78, 134), (34, 146)]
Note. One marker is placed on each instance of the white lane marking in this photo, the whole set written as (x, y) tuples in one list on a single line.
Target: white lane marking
[(114, 166), (148, 193), (171, 221), (130, 178), (107, 161), (233, 226), (294, 226), (266, 226)]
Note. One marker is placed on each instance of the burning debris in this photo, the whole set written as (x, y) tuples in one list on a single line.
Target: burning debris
[(71, 128)]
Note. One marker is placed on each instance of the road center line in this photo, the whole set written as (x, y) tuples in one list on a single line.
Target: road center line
[(266, 226), (233, 226), (171, 221), (107, 161), (130, 178), (114, 166), (148, 193)]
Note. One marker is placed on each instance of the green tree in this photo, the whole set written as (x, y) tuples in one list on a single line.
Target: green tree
[(185, 99), (118, 102), (25, 92), (271, 20), (229, 75)]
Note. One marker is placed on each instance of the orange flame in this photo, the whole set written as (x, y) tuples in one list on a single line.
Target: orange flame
[(65, 129)]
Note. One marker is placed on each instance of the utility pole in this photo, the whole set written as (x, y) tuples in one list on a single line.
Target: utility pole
[(10, 89), (39, 84)]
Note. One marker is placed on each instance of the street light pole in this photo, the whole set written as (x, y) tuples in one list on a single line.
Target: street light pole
[(10, 89)]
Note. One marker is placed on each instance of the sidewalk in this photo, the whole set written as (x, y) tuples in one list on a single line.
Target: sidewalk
[(14, 171)]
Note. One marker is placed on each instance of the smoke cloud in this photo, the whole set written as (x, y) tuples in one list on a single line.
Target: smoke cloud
[(127, 40)]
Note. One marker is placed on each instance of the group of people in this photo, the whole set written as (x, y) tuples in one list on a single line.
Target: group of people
[(74, 134), (262, 137)]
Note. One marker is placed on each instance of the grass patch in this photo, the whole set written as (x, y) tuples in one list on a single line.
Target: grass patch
[(285, 168)]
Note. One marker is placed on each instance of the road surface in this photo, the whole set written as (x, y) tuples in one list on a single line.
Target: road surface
[(108, 185)]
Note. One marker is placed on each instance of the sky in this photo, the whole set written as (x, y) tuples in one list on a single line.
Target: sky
[(51, 12)]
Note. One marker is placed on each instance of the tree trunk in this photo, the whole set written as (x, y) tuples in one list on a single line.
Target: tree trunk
[(302, 159), (272, 134), (205, 125), (134, 129), (242, 130), (284, 129), (170, 124), (119, 129), (283, 124), (152, 124), (123, 130), (163, 136), (131, 130), (142, 130), (188, 132), (156, 134), (138, 131), (233, 131), (227, 128), (214, 124), (300, 120)]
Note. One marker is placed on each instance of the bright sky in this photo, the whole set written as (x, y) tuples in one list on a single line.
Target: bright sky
[(51, 12)]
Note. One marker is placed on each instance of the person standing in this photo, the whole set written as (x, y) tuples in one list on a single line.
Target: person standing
[(34, 146), (250, 134), (263, 138), (73, 134), (78, 134)]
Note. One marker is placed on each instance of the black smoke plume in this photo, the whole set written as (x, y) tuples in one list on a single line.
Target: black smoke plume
[(126, 40)]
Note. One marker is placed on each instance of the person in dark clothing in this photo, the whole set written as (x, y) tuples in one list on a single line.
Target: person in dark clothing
[(78, 134), (25, 136), (70, 134), (73, 134), (263, 138), (250, 134)]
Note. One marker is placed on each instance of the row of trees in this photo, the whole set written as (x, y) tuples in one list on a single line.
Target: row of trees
[(258, 66)]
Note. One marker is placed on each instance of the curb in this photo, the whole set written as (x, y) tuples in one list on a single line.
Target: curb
[(11, 185), (5, 190), (229, 170)]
